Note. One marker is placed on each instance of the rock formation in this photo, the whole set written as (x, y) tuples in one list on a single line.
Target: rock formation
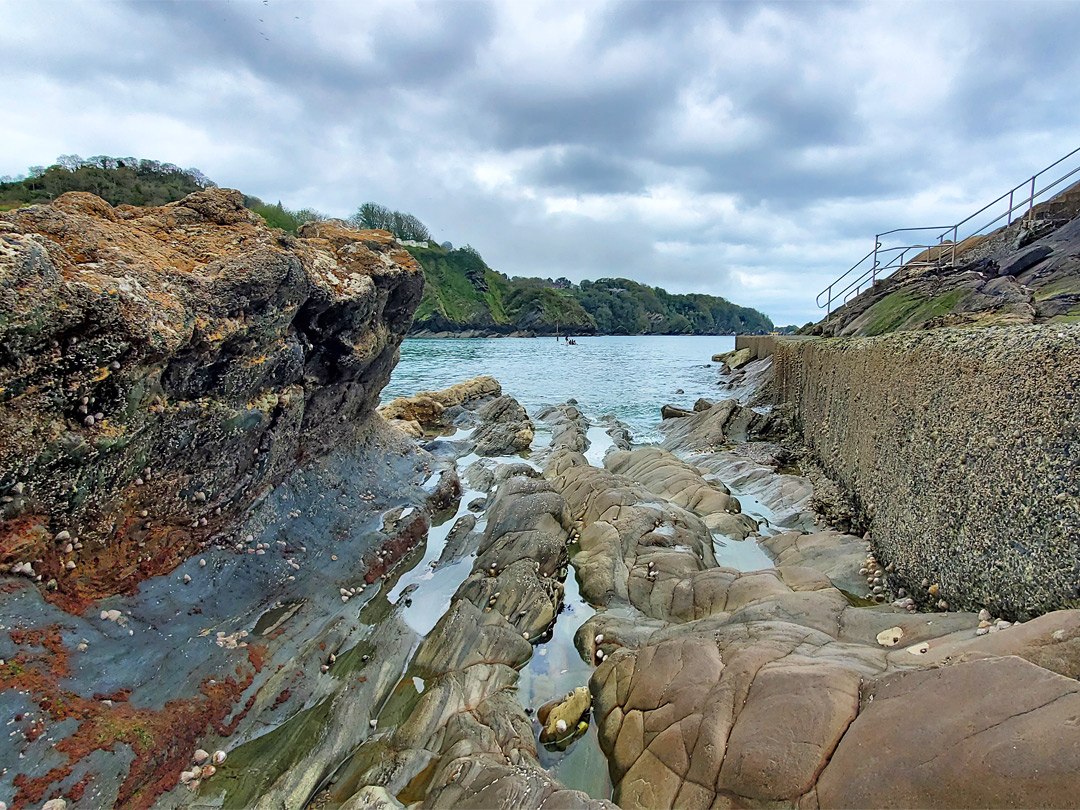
[(1025, 272), (182, 381), (163, 366)]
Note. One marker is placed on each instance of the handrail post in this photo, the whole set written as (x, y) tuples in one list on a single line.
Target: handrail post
[(1010, 207), (1031, 198), (955, 237)]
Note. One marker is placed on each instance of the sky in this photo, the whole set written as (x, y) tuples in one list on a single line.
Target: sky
[(749, 150)]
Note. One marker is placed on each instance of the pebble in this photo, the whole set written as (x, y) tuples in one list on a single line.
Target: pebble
[(202, 563), (560, 726), (373, 723), (599, 638), (62, 536), (982, 631), (187, 578), (200, 756)]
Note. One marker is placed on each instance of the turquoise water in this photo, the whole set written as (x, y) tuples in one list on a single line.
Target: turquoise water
[(628, 376)]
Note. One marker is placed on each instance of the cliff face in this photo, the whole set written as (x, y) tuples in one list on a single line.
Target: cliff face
[(162, 367)]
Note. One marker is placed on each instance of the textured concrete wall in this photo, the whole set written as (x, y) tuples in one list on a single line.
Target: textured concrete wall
[(959, 448)]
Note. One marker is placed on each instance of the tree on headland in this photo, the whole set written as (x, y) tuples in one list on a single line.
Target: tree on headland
[(378, 217), (119, 181)]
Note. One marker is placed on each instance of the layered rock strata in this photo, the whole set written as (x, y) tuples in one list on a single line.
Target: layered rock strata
[(178, 380), (502, 427), (719, 688)]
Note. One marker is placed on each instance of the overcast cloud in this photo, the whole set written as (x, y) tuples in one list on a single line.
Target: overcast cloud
[(749, 150)]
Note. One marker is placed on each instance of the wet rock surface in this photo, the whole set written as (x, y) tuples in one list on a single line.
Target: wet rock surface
[(439, 411), (464, 740), (716, 687), (189, 442)]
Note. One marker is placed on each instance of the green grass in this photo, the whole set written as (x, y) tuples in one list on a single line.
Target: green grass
[(904, 308), (1061, 286)]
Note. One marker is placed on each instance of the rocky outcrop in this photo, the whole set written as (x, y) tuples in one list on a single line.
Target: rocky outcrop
[(713, 427), (463, 739), (177, 380), (161, 367), (438, 411), (505, 428), (716, 687), (1026, 272), (683, 485), (723, 688)]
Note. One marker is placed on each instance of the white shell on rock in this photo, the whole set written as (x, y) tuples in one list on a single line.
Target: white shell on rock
[(219, 757), (200, 756), (560, 726), (890, 637), (919, 649)]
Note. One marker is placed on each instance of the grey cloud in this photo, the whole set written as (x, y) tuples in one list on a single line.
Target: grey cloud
[(585, 170), (402, 103)]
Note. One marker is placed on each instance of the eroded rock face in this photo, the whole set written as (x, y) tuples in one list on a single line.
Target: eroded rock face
[(162, 366), (505, 428), (724, 423), (436, 410), (719, 688)]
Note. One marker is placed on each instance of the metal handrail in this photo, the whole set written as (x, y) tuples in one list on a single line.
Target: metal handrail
[(877, 270)]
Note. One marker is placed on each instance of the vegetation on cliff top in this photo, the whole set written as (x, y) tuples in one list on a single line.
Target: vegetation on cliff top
[(461, 294)]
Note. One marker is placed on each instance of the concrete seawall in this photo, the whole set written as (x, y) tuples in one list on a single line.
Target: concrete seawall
[(958, 448)]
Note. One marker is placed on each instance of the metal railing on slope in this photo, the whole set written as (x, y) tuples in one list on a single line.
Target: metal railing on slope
[(884, 259)]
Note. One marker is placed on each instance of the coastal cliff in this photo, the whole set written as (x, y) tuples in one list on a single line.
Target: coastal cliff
[(463, 297), (163, 366), (194, 482)]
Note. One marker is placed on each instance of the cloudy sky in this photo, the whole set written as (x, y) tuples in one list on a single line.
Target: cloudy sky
[(749, 150)]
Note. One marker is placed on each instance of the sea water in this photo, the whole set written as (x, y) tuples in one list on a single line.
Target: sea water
[(631, 377)]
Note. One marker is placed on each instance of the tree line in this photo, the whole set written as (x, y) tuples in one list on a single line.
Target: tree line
[(139, 181)]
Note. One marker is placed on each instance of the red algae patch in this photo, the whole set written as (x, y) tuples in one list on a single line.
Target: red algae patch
[(162, 740)]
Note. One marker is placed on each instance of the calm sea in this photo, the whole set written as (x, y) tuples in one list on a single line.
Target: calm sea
[(628, 376)]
